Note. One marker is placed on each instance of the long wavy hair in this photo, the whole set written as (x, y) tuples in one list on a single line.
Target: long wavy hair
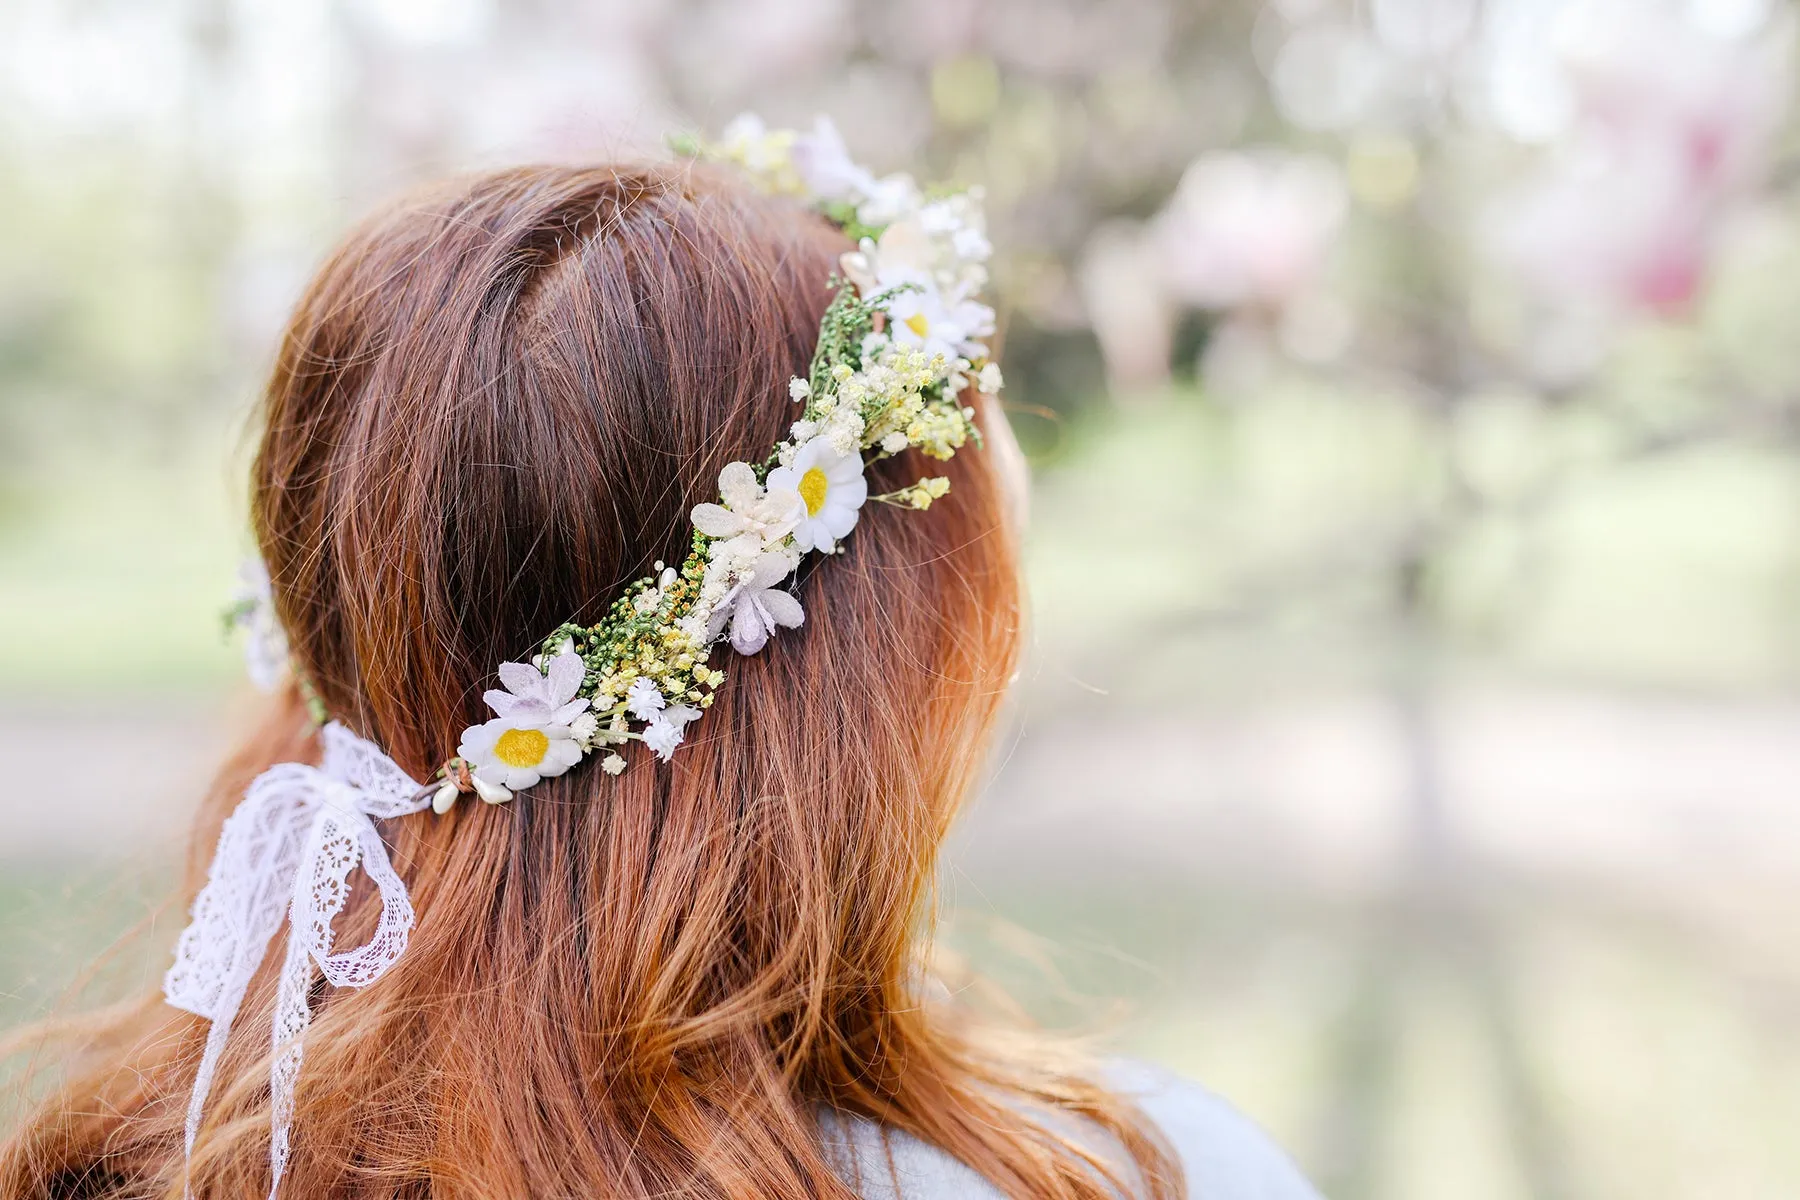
[(493, 408)]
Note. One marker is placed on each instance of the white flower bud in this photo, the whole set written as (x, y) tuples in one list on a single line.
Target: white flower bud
[(444, 797)]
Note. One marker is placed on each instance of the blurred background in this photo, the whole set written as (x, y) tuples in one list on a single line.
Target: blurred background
[(1410, 747)]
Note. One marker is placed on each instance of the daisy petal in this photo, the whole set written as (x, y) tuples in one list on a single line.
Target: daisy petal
[(839, 521), (522, 680), (566, 673), (715, 521), (569, 712), (492, 792), (520, 778), (560, 757), (738, 486), (770, 570), (749, 631), (849, 494), (478, 740), (504, 703), (783, 609)]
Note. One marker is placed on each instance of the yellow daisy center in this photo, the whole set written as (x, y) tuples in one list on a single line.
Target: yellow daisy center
[(813, 485), (918, 324), (522, 747)]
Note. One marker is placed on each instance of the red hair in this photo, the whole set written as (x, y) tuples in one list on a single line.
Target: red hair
[(493, 408)]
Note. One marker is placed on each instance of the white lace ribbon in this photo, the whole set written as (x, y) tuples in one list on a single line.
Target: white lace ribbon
[(289, 849)]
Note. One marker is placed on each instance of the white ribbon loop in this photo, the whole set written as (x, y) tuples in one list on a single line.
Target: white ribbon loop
[(289, 849)]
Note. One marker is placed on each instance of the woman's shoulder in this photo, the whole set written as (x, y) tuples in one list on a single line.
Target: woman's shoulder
[(1225, 1156)]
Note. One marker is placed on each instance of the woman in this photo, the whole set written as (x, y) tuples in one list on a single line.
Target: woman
[(693, 965)]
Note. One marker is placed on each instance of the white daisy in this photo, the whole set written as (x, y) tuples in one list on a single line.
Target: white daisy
[(831, 485), (530, 737), (929, 320), (757, 605), (936, 312)]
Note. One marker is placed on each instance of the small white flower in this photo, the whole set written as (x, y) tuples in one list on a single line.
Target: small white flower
[(612, 764), (957, 221), (894, 443), (971, 244), (253, 611), (751, 511), (824, 163), (662, 737), (644, 699), (798, 389), (762, 151), (585, 727), (888, 199), (844, 431), (530, 737), (990, 380), (666, 732), (757, 606), (927, 319), (830, 484)]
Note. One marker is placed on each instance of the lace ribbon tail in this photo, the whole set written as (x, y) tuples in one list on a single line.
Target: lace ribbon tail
[(217, 1034), (291, 1018)]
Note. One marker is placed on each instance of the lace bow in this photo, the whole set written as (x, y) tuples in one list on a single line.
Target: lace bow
[(289, 849)]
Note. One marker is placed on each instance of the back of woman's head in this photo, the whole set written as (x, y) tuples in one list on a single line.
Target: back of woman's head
[(495, 408)]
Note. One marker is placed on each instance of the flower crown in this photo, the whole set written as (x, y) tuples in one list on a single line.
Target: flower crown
[(900, 342)]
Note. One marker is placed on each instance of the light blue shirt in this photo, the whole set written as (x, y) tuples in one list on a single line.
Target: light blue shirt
[(1224, 1155)]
